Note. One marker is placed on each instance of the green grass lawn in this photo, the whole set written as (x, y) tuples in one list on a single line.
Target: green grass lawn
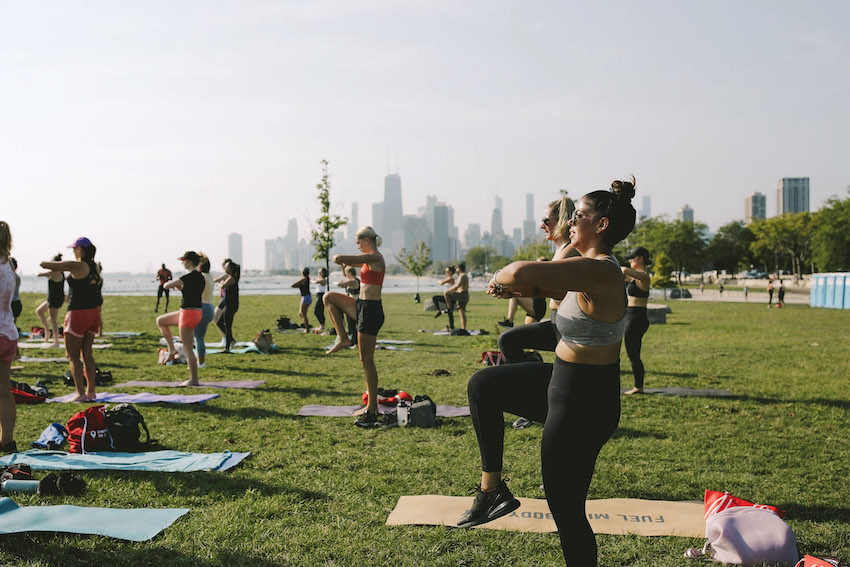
[(316, 491)]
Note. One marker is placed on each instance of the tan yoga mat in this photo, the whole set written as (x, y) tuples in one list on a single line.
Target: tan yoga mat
[(607, 516)]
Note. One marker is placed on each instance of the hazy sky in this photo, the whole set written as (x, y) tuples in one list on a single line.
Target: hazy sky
[(155, 127)]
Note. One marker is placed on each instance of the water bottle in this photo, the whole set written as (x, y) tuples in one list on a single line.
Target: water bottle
[(403, 413), (12, 485)]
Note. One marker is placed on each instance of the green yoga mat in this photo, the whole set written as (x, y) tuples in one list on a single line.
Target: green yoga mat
[(135, 524)]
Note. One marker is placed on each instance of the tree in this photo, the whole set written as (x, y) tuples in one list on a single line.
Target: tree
[(534, 250), (681, 241), (326, 225), (477, 258), (662, 270), (831, 235), (415, 262), (788, 235), (730, 248)]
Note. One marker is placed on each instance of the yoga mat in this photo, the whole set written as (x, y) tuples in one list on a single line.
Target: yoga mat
[(47, 345), (218, 344), (614, 516), (157, 461), (706, 393), (345, 411), (138, 524), (393, 342), (121, 334), (377, 347), (141, 398), (33, 359), (219, 384)]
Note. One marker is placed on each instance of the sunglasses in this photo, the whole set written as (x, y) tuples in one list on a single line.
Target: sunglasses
[(577, 216)]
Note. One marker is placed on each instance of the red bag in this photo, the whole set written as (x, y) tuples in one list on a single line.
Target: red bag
[(492, 358), (717, 501), (22, 397), (87, 432), (812, 561)]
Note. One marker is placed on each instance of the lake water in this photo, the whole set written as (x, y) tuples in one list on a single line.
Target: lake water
[(138, 284)]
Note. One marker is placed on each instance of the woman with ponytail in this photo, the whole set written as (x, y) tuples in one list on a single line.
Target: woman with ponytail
[(577, 397), (8, 342)]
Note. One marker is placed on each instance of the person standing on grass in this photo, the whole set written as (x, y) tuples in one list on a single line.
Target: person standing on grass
[(82, 320), (367, 309), (440, 300), (207, 309), (164, 275), (17, 307), (55, 299), (230, 289), (770, 292), (321, 289), (458, 294), (187, 318), (637, 322), (8, 342), (780, 298), (303, 286), (351, 285), (577, 398)]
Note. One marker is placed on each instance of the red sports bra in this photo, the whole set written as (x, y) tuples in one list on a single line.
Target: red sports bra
[(371, 277)]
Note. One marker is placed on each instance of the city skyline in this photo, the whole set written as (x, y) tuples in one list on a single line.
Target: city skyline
[(155, 128)]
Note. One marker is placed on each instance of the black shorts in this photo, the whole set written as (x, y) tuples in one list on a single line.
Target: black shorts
[(55, 300), (539, 307), (162, 290), (370, 316)]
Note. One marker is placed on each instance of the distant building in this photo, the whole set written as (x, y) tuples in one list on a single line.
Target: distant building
[(685, 214), (529, 206), (646, 208), (755, 207), (441, 248), (234, 247), (496, 218), (792, 195), (353, 222), (529, 230), (472, 237)]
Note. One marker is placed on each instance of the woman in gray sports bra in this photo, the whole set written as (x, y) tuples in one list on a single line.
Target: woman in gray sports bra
[(580, 388)]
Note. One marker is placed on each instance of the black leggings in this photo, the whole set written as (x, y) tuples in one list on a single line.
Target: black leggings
[(225, 323), (539, 336), (568, 398), (637, 324), (319, 309)]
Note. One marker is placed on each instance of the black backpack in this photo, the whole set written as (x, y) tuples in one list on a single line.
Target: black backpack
[(123, 421)]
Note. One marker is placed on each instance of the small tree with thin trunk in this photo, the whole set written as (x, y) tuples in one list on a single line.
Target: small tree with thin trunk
[(327, 224), (415, 262)]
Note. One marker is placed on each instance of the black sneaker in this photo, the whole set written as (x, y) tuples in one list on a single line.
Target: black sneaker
[(488, 506), (505, 323), (368, 420), (10, 447), (439, 312)]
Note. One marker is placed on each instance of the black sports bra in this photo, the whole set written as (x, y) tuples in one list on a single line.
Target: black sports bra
[(635, 291)]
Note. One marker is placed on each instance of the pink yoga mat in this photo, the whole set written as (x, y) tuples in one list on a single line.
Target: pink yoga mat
[(142, 398), (218, 384)]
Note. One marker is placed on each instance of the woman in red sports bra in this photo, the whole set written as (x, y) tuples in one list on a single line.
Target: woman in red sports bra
[(367, 310)]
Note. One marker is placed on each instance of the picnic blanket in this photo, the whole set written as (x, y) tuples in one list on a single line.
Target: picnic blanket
[(346, 411), (141, 398), (607, 516), (137, 524), (705, 393), (158, 461), (219, 384)]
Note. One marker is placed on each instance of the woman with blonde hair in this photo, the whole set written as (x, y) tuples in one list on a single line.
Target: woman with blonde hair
[(367, 309), (8, 343), (82, 320)]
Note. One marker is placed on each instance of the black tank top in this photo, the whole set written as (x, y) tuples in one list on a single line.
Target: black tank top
[(85, 293), (636, 291)]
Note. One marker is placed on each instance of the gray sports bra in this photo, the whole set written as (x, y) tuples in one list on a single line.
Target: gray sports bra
[(577, 327)]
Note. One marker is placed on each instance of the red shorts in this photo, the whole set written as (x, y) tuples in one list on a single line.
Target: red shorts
[(8, 349), (81, 321), (189, 318)]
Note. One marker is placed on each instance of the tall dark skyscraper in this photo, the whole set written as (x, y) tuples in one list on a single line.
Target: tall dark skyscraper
[(393, 216), (792, 195)]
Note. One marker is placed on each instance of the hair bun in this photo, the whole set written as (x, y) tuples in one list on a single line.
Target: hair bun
[(624, 189)]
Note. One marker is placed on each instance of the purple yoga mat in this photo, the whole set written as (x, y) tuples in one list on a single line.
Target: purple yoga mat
[(142, 398), (346, 411), (219, 384)]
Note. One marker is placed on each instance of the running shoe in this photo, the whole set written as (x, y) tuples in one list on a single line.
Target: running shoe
[(368, 420), (489, 506), (505, 323), (522, 423), (10, 447)]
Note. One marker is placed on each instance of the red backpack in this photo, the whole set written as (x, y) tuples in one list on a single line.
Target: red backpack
[(87, 432)]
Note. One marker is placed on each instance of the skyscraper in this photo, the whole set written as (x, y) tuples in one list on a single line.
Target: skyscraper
[(234, 247), (685, 214), (472, 237), (755, 207), (792, 195), (529, 206), (529, 228), (646, 208), (496, 219), (353, 222)]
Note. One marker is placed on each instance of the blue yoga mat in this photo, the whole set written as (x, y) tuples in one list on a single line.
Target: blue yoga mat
[(160, 461), (138, 524)]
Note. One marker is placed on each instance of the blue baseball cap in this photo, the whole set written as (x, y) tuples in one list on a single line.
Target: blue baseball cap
[(82, 242)]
